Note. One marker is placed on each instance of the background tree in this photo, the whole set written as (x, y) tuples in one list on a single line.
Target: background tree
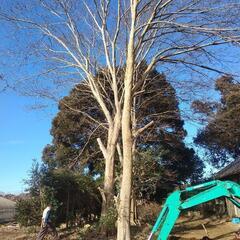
[(221, 136), (28, 212), (158, 172), (77, 196), (74, 196), (160, 153), (74, 133), (158, 136)]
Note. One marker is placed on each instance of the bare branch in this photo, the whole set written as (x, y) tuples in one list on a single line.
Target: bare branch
[(139, 131)]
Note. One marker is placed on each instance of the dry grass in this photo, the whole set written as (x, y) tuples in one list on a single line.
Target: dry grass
[(185, 229)]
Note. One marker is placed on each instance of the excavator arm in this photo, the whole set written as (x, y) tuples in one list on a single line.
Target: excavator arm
[(176, 202)]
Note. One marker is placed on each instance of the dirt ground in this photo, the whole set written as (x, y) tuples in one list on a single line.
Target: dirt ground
[(185, 229), (11, 231), (14, 232), (217, 229)]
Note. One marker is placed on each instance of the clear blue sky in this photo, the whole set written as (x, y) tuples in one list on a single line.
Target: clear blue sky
[(23, 134)]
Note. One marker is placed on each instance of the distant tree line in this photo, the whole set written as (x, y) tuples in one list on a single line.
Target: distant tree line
[(221, 135)]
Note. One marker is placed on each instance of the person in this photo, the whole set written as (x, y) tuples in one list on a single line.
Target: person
[(46, 225)]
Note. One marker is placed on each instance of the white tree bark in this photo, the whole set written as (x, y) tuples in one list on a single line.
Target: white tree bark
[(123, 232)]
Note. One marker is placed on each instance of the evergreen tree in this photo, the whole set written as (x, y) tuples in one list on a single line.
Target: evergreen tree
[(161, 145), (74, 196), (221, 136)]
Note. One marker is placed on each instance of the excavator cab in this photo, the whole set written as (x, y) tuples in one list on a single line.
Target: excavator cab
[(188, 198)]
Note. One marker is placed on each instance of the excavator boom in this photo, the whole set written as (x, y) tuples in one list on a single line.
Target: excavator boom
[(198, 194)]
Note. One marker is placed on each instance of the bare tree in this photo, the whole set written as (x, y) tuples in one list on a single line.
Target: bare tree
[(79, 38)]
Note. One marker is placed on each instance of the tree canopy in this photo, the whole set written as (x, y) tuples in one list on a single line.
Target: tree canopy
[(221, 136), (73, 195), (160, 153)]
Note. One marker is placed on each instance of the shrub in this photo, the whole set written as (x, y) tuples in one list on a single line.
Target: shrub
[(108, 221), (148, 212), (28, 212)]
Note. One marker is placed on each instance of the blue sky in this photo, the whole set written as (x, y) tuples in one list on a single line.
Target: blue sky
[(23, 134)]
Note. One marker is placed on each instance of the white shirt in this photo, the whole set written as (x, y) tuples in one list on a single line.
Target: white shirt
[(46, 213)]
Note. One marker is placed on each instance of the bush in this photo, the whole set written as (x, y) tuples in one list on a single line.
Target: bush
[(28, 212), (148, 212), (108, 222)]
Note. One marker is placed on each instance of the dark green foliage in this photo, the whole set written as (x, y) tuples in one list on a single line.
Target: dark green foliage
[(158, 171), (28, 212), (147, 172), (74, 196), (74, 134), (48, 196), (158, 103), (108, 221), (49, 156), (221, 136), (162, 158), (36, 174), (160, 146)]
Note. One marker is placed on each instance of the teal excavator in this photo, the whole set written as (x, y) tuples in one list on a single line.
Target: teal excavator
[(190, 197)]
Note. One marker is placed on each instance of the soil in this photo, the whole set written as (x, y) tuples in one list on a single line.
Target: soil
[(185, 229), (12, 231), (217, 229)]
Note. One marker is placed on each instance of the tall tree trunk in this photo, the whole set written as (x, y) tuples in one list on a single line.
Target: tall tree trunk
[(107, 193), (134, 214), (123, 228), (108, 180), (126, 185), (109, 155)]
